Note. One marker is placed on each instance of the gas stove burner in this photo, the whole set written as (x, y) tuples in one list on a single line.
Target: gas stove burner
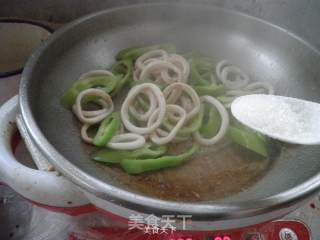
[(275, 230)]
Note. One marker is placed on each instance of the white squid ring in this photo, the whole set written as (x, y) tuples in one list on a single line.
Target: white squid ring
[(126, 141), (94, 116), (222, 64), (167, 136), (224, 123), (161, 102), (148, 57), (172, 97), (145, 116), (252, 88), (95, 73), (93, 113), (136, 74), (160, 65), (176, 139), (260, 87), (84, 133), (240, 81), (186, 103), (224, 68), (182, 64)]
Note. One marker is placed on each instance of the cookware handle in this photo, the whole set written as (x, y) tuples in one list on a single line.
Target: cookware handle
[(39, 186), (37, 156)]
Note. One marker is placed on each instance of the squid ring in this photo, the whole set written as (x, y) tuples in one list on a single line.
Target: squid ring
[(94, 116), (161, 104), (148, 57), (145, 116), (126, 141), (172, 97), (95, 73), (167, 137), (224, 123), (160, 65)]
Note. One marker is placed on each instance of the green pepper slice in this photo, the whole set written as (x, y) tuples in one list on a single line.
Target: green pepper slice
[(107, 129), (106, 83), (201, 70), (136, 166), (249, 139), (125, 68), (190, 128), (211, 124), (212, 90), (196, 76), (116, 156), (143, 103)]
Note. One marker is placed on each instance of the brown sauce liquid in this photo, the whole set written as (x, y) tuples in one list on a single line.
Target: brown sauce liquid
[(216, 172)]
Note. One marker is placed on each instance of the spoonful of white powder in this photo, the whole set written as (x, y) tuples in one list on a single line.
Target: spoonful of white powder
[(287, 119)]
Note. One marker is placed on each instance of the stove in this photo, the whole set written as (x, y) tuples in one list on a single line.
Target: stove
[(35, 223), (276, 230), (24, 220)]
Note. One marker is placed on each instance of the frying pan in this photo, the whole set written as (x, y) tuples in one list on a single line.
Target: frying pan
[(229, 185)]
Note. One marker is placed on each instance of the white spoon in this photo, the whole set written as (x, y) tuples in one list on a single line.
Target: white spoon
[(287, 119)]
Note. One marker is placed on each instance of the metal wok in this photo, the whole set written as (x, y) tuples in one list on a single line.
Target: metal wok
[(229, 187)]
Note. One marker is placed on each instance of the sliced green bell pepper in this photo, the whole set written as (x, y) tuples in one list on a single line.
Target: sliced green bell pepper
[(116, 156), (210, 77), (106, 83), (211, 123), (204, 64), (107, 129), (225, 99), (249, 139), (187, 129), (212, 90), (136, 166), (196, 77), (143, 103), (124, 68), (201, 70)]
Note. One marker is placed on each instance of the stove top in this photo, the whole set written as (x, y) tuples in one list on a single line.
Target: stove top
[(275, 230), (28, 222)]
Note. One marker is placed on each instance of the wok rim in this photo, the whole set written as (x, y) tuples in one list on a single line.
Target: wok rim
[(199, 211)]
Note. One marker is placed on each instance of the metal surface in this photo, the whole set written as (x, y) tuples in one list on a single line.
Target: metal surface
[(265, 51)]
